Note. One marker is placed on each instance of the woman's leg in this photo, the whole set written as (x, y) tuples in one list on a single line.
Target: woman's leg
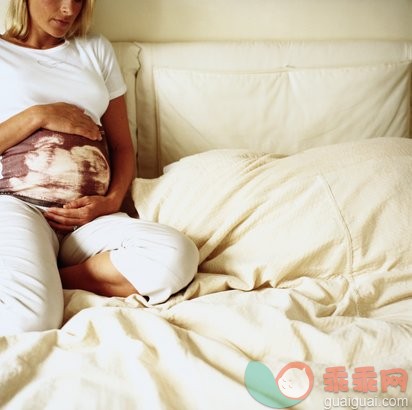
[(116, 255), (31, 295), (98, 275)]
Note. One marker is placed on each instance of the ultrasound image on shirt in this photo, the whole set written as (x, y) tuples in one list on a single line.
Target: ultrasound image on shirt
[(52, 168)]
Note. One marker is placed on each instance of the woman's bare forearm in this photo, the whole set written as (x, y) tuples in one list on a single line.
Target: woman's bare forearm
[(122, 157), (18, 127), (123, 170), (60, 117)]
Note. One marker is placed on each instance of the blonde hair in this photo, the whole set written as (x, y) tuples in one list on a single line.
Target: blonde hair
[(18, 20)]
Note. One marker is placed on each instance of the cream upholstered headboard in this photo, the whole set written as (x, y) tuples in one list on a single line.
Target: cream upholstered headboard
[(194, 20)]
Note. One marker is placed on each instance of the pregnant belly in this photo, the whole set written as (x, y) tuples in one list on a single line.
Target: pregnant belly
[(53, 168)]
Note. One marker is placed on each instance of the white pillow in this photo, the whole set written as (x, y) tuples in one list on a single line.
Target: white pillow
[(260, 220), (283, 111), (238, 57)]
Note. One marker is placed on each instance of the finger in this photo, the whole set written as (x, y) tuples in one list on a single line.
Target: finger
[(93, 135), (63, 212), (77, 120), (92, 132), (77, 203), (89, 124), (67, 226), (63, 219)]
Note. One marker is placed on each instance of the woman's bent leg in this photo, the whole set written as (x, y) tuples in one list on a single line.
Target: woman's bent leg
[(31, 295), (97, 274), (156, 259)]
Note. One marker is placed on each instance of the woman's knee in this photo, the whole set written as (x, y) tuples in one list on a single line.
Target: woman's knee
[(179, 268), (187, 259), (161, 264)]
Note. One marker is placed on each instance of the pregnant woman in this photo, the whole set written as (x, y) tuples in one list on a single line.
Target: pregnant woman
[(66, 163)]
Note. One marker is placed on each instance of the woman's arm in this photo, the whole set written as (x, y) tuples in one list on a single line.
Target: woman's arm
[(122, 164), (17, 128), (60, 117), (122, 157)]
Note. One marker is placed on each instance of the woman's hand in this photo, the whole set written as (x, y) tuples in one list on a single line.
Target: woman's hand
[(79, 212), (68, 118), (122, 161)]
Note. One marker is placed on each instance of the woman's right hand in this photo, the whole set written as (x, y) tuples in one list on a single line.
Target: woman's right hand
[(68, 118)]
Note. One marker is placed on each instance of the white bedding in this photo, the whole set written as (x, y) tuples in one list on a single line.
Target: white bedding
[(331, 212), (305, 258)]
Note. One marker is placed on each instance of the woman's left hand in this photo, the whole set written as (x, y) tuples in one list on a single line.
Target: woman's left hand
[(78, 212)]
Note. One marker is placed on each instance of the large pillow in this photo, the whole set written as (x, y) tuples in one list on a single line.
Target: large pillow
[(330, 212), (278, 96), (284, 111), (52, 168)]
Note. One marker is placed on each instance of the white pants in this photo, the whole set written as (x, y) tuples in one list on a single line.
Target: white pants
[(156, 259)]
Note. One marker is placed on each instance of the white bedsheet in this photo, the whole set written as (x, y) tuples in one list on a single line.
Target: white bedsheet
[(305, 258)]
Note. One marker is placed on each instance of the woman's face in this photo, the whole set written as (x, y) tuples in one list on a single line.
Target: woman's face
[(50, 20)]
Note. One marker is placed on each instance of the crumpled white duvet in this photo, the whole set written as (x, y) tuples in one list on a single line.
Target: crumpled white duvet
[(305, 258)]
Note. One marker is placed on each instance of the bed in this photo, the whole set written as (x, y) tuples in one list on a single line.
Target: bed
[(283, 150)]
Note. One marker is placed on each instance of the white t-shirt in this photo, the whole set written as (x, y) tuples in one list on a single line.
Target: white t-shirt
[(81, 71), (50, 168)]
